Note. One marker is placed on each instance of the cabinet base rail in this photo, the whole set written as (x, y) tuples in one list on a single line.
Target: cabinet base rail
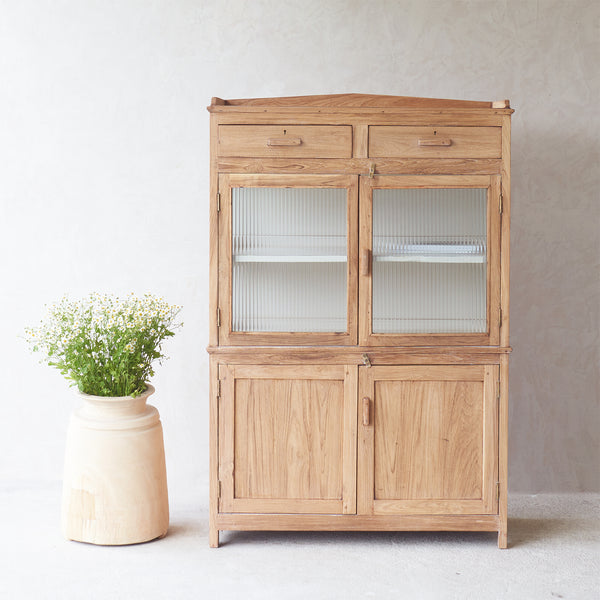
[(425, 523)]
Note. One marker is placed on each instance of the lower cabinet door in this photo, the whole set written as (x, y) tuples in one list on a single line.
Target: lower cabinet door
[(287, 439), (428, 440)]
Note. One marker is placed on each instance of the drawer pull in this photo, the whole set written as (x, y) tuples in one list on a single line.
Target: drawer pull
[(434, 141), (366, 411), (285, 141)]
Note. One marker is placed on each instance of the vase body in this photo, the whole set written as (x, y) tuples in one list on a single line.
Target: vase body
[(115, 480)]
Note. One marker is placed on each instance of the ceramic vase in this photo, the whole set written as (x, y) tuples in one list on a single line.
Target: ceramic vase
[(115, 480)]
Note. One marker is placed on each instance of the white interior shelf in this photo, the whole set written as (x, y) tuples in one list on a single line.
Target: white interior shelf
[(289, 258), (430, 258)]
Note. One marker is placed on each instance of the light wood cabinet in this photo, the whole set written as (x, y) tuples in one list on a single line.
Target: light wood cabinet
[(359, 250)]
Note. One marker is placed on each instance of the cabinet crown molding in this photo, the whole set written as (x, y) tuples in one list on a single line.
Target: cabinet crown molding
[(356, 101)]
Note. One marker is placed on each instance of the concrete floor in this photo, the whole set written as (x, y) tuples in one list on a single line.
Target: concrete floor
[(554, 553)]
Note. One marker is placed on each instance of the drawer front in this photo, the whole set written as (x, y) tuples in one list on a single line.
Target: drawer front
[(309, 141), (435, 142)]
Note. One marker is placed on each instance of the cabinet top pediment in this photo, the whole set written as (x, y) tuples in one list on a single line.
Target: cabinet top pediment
[(353, 101)]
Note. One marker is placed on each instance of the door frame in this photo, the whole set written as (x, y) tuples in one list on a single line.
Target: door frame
[(493, 185), (367, 504), (228, 503), (245, 338)]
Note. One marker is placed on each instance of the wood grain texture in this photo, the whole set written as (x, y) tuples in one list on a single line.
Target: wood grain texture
[(213, 240), (365, 464), (505, 230), (365, 285), (250, 522), (452, 117), (428, 442), (432, 445), (288, 438), (503, 455), (360, 166), (493, 261), (428, 182), (289, 443), (226, 431), (213, 441), (225, 261), (355, 101), (354, 355), (314, 141), (360, 140), (349, 440), (463, 142)]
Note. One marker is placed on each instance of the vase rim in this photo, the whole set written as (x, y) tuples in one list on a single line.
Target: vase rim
[(147, 392)]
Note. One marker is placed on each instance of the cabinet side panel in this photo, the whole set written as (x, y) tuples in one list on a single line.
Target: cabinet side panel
[(213, 251)]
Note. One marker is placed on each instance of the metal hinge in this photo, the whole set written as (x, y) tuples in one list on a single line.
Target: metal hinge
[(218, 317), (498, 390), (498, 491), (218, 201), (500, 207), (218, 388), (219, 490), (500, 317)]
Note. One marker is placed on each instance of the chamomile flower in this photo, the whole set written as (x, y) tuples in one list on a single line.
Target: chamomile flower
[(105, 344)]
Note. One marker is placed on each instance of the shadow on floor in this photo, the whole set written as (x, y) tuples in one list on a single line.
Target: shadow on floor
[(350, 538), (526, 531)]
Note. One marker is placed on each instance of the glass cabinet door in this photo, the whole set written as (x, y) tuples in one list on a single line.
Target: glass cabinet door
[(286, 249), (430, 260)]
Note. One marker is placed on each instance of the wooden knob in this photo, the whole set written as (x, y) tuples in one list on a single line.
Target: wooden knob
[(366, 411), (365, 262)]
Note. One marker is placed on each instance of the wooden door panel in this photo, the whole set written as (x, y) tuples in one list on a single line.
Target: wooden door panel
[(432, 447), (428, 441), (288, 439)]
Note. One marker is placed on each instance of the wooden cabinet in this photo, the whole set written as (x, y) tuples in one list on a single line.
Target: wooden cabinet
[(359, 251)]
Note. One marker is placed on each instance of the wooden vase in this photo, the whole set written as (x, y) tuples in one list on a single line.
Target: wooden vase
[(115, 480)]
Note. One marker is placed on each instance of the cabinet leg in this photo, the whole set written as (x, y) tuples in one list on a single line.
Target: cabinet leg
[(213, 537), (502, 539)]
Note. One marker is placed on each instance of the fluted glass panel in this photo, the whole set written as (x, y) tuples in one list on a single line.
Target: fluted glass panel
[(429, 260), (289, 259)]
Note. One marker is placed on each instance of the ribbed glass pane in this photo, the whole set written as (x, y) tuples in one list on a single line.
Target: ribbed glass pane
[(289, 259), (429, 260)]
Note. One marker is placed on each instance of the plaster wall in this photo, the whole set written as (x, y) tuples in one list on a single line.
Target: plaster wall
[(104, 184)]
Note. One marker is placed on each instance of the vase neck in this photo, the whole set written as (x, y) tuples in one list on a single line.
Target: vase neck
[(111, 407)]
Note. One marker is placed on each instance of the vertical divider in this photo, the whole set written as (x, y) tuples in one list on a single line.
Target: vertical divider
[(365, 241), (226, 437), (349, 440), (366, 439)]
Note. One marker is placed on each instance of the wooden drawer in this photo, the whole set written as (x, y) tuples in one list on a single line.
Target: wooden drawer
[(309, 141), (435, 142)]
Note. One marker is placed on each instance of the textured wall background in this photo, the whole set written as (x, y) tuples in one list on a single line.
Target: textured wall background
[(104, 182)]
